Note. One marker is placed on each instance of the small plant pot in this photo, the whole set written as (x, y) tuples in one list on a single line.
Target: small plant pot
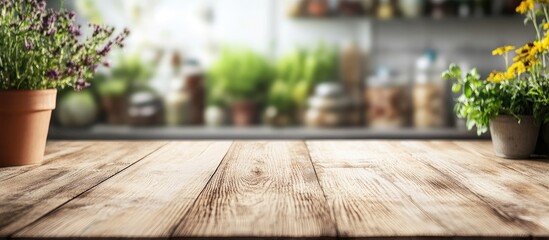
[(514, 140), (215, 116), (244, 114), (275, 118), (24, 124), (116, 108)]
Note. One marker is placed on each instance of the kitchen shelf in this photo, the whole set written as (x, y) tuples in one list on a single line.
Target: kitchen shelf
[(402, 19), (197, 133)]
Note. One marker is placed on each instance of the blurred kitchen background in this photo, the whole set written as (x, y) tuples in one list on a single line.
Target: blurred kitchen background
[(284, 68)]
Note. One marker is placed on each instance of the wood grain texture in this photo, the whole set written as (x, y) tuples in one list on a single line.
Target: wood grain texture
[(69, 170), (147, 200), (261, 190), (513, 196), (276, 189), (535, 169), (53, 150), (375, 190)]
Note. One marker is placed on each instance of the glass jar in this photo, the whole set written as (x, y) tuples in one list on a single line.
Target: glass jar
[(177, 104), (386, 10), (351, 75), (386, 101), (411, 8), (429, 93), (194, 88)]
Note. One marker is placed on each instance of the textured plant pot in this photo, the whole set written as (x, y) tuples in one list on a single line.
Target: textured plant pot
[(24, 123), (513, 140), (116, 108), (244, 113), (215, 116), (545, 137)]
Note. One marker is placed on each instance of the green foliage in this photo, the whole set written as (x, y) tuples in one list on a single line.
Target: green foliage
[(129, 75), (280, 96), (539, 92), (481, 100), (239, 73), (44, 49), (112, 87), (298, 72)]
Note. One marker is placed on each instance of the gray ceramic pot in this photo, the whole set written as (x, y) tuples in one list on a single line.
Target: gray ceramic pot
[(545, 135), (513, 140)]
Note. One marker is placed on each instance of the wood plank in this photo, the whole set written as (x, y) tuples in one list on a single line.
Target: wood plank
[(512, 195), (261, 190), (63, 176), (147, 200), (536, 169), (377, 190), (53, 150)]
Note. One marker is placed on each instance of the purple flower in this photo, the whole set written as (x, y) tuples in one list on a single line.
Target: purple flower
[(29, 45), (52, 74), (7, 3), (70, 64), (51, 32), (96, 29), (87, 61), (103, 52), (81, 85), (48, 23), (71, 67), (41, 5), (75, 30)]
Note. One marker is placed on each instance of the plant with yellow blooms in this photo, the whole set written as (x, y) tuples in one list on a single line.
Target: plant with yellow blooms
[(521, 89)]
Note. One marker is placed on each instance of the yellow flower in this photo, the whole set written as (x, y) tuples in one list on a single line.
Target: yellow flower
[(528, 52), (502, 50), (545, 26), (497, 77), (516, 69), (525, 6), (545, 43), (524, 49)]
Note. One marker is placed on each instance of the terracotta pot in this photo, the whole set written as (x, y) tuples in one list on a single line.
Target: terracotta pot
[(116, 108), (318, 8), (244, 113), (24, 123), (513, 140)]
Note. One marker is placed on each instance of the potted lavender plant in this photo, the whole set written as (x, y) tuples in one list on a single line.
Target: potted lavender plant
[(41, 51)]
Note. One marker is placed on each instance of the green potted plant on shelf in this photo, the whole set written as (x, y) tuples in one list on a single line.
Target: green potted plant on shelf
[(41, 51), (511, 103), (244, 77), (299, 72), (127, 76)]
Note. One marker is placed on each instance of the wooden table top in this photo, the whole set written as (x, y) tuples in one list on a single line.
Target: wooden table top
[(271, 189)]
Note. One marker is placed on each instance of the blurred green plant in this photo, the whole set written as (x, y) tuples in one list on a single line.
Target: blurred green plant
[(298, 73), (129, 75), (238, 75)]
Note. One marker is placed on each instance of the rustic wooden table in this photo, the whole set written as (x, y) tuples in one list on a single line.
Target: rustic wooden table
[(270, 189)]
